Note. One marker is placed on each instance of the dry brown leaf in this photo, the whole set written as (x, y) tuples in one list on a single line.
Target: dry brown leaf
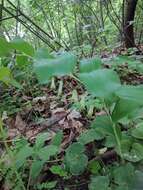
[(12, 133), (100, 113), (20, 124), (58, 111), (41, 98), (31, 134), (74, 115), (6, 187)]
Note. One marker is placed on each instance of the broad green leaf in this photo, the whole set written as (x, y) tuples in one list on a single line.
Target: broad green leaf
[(5, 75), (132, 93), (75, 148), (5, 47), (22, 61), (94, 166), (40, 140), (48, 151), (22, 155), (36, 168), (123, 187), (22, 46), (99, 183), (75, 160), (123, 175), (91, 64), (137, 132), (61, 65), (89, 136), (138, 181), (110, 141), (43, 53), (123, 108), (135, 153), (103, 124), (102, 83), (76, 163), (58, 170), (57, 140), (130, 98)]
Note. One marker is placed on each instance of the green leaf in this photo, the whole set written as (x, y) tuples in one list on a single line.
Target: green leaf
[(123, 108), (94, 167), (123, 175), (5, 47), (137, 132), (22, 155), (77, 163), (89, 136), (61, 65), (135, 154), (132, 93), (57, 140), (75, 148), (36, 168), (110, 141), (102, 83), (43, 53), (40, 140), (99, 183), (5, 75), (48, 151), (58, 170), (75, 160), (123, 187), (22, 46), (88, 65), (119, 60), (22, 61), (103, 124), (138, 183), (130, 98)]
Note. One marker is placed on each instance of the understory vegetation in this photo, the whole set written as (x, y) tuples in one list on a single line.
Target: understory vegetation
[(71, 89)]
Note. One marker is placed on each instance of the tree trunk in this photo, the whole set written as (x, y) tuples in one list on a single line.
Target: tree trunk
[(1, 11), (128, 25)]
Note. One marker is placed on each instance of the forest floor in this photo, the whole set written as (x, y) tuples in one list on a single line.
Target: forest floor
[(38, 108)]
